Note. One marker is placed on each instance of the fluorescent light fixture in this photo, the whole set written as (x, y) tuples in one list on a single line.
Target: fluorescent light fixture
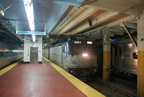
[(33, 38), (30, 16), (30, 13)]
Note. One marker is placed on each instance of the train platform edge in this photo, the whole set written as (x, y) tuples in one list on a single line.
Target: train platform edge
[(4, 70), (87, 90)]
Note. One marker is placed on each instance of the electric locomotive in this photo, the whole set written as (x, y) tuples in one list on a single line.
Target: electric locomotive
[(78, 57)]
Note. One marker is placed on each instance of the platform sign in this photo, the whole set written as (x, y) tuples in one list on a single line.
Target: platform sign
[(31, 32)]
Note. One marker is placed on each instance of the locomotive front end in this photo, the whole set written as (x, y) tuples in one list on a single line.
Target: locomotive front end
[(83, 59)]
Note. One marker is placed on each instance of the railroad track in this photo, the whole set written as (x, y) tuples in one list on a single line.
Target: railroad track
[(114, 88), (124, 82)]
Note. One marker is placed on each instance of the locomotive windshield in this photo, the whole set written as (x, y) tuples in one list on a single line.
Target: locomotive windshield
[(80, 47), (77, 49)]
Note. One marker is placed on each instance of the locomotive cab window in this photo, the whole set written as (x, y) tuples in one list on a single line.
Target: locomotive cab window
[(135, 55), (78, 49)]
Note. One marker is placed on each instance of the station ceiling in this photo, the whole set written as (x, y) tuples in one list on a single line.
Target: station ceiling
[(73, 17)]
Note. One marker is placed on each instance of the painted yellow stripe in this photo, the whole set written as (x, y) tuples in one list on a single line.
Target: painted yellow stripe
[(140, 74), (87, 90), (2, 71), (106, 65)]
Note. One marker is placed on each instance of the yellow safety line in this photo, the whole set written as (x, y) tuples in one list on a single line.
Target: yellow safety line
[(2, 71), (86, 89)]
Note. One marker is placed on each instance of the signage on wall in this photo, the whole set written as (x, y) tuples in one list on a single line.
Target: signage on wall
[(31, 32)]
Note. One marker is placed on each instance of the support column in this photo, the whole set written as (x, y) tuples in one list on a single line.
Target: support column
[(106, 55), (140, 67)]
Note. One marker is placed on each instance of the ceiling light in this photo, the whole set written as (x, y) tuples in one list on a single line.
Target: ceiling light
[(30, 13)]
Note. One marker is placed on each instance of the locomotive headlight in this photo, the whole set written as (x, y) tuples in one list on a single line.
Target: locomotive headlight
[(85, 54), (74, 62)]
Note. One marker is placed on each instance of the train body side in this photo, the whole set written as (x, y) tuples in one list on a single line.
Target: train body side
[(9, 53), (55, 55), (124, 57), (45, 52)]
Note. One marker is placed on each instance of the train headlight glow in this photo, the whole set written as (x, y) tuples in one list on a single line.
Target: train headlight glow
[(85, 54)]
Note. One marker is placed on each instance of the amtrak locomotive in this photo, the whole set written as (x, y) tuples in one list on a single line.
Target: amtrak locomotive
[(78, 57)]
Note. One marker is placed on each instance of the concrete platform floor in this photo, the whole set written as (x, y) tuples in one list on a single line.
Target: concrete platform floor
[(38, 80)]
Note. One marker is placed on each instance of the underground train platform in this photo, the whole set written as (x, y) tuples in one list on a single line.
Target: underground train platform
[(41, 80)]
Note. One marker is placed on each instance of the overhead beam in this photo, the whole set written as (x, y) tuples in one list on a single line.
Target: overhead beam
[(128, 6), (112, 25), (85, 27), (84, 24), (107, 21), (99, 16), (76, 14), (78, 19), (92, 16)]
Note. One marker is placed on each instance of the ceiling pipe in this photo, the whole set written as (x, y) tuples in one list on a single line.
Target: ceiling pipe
[(8, 7)]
